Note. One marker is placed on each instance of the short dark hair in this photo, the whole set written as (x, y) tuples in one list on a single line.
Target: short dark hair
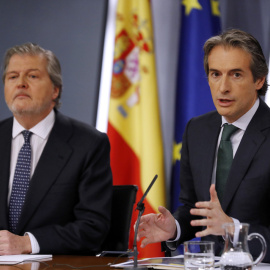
[(53, 64), (239, 39)]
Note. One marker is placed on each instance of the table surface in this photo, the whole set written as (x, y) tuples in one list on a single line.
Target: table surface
[(68, 262), (81, 262)]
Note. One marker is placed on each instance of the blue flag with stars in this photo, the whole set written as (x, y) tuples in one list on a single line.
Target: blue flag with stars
[(200, 19)]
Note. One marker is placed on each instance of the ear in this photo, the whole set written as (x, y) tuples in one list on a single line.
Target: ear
[(259, 83), (56, 91)]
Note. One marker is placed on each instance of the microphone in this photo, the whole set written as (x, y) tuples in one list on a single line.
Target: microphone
[(141, 208), (140, 204)]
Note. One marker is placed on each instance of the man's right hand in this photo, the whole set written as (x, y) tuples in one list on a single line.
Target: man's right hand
[(155, 228), (12, 244)]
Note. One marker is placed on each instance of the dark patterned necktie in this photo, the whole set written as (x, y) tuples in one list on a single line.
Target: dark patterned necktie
[(224, 159), (20, 182)]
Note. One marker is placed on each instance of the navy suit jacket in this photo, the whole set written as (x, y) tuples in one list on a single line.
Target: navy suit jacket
[(247, 191), (68, 204)]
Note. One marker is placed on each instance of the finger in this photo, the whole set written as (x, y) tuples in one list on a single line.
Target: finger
[(213, 193), (203, 205), (203, 233), (3, 233), (144, 226), (138, 238), (135, 224), (144, 243), (200, 212), (142, 234), (202, 222), (144, 219), (164, 211)]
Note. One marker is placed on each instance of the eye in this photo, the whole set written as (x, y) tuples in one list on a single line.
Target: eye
[(11, 77), (237, 75), (33, 76), (214, 74)]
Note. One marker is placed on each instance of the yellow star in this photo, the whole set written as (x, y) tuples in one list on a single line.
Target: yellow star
[(190, 4), (215, 7), (176, 151)]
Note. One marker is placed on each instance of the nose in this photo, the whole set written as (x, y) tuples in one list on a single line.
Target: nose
[(224, 84), (22, 83)]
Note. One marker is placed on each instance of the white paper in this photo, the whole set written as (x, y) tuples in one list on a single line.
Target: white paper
[(13, 259), (176, 262)]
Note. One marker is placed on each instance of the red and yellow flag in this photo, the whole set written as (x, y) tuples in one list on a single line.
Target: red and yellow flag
[(134, 126)]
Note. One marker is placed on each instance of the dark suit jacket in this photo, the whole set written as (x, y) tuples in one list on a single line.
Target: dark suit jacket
[(68, 204), (247, 191)]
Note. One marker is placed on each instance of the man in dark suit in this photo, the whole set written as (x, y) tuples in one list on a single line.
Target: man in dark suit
[(66, 208), (236, 71)]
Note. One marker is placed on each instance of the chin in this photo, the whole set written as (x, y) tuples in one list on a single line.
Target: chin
[(222, 111), (17, 110)]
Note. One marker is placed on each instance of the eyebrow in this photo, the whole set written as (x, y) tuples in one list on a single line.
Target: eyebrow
[(232, 70), (237, 70), (29, 70)]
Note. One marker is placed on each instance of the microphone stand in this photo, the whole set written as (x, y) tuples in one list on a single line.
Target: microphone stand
[(141, 208)]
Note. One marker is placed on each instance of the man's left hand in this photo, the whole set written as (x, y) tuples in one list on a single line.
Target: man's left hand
[(215, 216)]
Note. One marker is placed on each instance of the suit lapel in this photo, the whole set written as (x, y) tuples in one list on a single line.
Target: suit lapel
[(213, 129), (54, 157), (250, 143), (5, 149)]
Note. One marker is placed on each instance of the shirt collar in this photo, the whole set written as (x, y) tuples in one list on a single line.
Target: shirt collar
[(244, 120), (42, 129)]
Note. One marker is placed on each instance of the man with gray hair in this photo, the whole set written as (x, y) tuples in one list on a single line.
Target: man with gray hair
[(223, 184), (55, 175)]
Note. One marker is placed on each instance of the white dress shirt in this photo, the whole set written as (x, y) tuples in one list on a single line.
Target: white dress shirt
[(38, 140), (236, 138)]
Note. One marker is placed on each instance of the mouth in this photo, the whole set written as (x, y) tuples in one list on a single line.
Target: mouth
[(225, 101), (21, 96)]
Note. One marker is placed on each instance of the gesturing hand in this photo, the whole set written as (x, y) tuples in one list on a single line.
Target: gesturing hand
[(155, 228), (214, 214)]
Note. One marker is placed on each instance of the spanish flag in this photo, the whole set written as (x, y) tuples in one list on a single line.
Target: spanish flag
[(134, 126)]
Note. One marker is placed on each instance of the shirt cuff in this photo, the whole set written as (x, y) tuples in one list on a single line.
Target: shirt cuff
[(236, 222), (236, 225), (178, 230), (34, 243), (236, 232)]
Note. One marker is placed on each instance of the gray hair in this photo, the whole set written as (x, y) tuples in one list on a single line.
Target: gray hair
[(53, 64), (242, 40)]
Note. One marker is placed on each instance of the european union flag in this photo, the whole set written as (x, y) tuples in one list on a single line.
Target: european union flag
[(200, 19)]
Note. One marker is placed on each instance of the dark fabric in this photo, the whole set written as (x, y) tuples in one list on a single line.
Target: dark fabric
[(224, 159), (68, 204), (20, 182), (247, 191)]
